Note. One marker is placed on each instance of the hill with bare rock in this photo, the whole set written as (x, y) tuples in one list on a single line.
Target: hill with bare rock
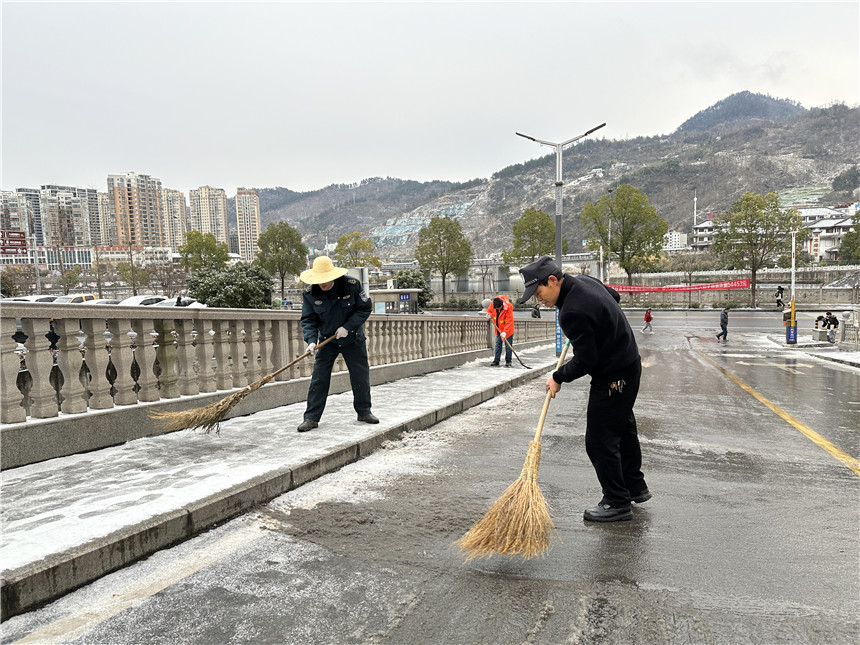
[(747, 142)]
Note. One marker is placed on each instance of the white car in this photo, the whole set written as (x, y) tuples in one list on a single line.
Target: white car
[(149, 299), (186, 302), (41, 298)]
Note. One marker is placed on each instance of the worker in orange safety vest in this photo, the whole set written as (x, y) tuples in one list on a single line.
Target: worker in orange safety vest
[(501, 312)]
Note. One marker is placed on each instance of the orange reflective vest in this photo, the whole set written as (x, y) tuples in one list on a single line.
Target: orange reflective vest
[(504, 317)]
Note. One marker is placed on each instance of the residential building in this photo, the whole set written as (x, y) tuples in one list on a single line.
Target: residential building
[(33, 197), (175, 224), (703, 234), (89, 206), (674, 241), (135, 202), (15, 213), (247, 222), (107, 222), (65, 217), (209, 212), (826, 237)]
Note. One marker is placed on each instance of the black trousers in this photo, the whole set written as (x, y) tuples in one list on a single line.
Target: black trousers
[(355, 355), (611, 439)]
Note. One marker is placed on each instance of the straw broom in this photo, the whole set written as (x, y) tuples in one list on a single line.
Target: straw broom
[(209, 417), (519, 522)]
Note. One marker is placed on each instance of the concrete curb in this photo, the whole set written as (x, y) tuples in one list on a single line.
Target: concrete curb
[(38, 583)]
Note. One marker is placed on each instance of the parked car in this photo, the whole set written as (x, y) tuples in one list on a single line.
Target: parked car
[(185, 302), (148, 299), (75, 298), (39, 298), (102, 301)]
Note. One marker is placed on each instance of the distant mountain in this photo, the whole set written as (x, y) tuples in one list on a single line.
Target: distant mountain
[(739, 109), (741, 151)]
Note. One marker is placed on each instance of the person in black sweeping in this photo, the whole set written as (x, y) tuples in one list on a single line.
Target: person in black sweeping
[(604, 348), (335, 304)]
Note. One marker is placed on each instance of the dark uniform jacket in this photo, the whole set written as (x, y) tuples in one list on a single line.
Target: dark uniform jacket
[(346, 305), (603, 343)]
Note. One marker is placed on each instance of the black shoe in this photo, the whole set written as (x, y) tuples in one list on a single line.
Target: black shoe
[(307, 424), (604, 512), (644, 496), (368, 417), (494, 364), (509, 364)]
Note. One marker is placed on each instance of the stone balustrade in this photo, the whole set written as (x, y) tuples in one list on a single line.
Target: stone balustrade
[(69, 359)]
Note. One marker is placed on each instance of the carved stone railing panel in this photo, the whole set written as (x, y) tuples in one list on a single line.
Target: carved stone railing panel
[(12, 409), (77, 362), (97, 360)]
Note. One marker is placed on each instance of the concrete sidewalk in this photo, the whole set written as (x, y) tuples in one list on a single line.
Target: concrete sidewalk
[(70, 520)]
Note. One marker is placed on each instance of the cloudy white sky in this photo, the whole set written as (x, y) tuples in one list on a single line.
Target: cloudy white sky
[(304, 95)]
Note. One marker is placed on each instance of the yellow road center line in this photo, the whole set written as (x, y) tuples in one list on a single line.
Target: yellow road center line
[(70, 627), (811, 434)]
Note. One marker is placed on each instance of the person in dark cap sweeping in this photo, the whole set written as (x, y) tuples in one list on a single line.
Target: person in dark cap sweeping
[(604, 348), (334, 304), (501, 312)]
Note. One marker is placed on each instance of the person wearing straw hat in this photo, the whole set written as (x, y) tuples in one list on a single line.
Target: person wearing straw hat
[(604, 347), (334, 304)]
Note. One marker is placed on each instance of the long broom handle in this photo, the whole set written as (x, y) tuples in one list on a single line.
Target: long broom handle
[(498, 331), (305, 355), (549, 395)]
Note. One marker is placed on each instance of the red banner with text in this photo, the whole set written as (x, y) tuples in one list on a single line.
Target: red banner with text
[(731, 284)]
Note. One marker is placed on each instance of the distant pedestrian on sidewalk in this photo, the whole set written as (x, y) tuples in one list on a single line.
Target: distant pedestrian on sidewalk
[(501, 312), (648, 319), (779, 302), (335, 304), (604, 347), (724, 325)]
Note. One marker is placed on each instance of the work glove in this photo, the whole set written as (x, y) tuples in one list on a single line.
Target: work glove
[(341, 333), (312, 348), (488, 315), (503, 335)]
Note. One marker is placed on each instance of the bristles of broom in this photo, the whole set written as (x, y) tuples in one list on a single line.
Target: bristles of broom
[(209, 417), (518, 523)]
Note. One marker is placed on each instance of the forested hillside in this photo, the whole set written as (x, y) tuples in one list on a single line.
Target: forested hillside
[(750, 142)]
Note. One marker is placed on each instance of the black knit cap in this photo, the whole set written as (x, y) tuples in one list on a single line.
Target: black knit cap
[(497, 303)]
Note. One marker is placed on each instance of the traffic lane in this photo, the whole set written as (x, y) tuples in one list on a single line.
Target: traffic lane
[(722, 554), (739, 320), (821, 394)]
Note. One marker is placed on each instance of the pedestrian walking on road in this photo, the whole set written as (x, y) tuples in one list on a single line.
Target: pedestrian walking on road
[(604, 348), (335, 304), (501, 312), (724, 325), (648, 319)]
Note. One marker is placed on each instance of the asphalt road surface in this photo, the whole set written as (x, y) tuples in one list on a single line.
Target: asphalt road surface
[(751, 537)]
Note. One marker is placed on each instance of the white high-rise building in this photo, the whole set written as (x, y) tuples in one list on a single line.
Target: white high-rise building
[(209, 212), (65, 217), (135, 202), (248, 222), (107, 222), (175, 214), (89, 207)]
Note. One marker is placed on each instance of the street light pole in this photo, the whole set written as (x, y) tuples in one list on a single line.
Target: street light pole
[(559, 183), (559, 197)]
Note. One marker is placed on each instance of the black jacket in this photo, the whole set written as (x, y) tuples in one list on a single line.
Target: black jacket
[(346, 305), (601, 338)]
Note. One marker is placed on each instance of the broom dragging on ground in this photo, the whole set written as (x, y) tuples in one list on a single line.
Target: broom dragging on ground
[(518, 523), (209, 417)]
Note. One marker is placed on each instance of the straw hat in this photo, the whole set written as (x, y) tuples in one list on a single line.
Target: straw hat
[(322, 271)]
